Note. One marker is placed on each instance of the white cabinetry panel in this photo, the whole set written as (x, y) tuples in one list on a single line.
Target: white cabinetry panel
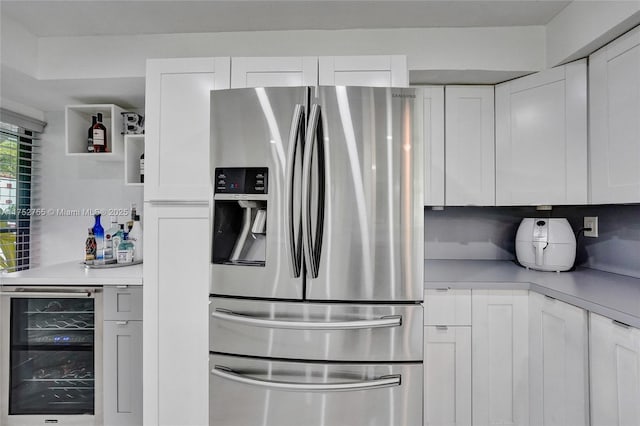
[(447, 376), (274, 71), (177, 126), (373, 70), (500, 351), (433, 137), (558, 363), (470, 156), (541, 138), (176, 338), (614, 120), (615, 372)]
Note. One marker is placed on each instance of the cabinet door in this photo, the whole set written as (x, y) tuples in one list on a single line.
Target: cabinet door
[(500, 355), (376, 70), (614, 356), (469, 146), (447, 376), (176, 315), (541, 138), (122, 373), (614, 108), (274, 72), (433, 137), (177, 126), (558, 363)]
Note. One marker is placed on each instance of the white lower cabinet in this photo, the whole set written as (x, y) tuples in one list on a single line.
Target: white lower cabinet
[(176, 314), (447, 376), (558, 363), (122, 356), (614, 350), (122, 373), (500, 357)]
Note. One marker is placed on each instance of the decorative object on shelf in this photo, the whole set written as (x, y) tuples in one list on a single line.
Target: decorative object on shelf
[(94, 121), (100, 136), (132, 123)]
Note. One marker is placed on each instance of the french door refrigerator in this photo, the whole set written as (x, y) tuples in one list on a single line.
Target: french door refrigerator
[(317, 257)]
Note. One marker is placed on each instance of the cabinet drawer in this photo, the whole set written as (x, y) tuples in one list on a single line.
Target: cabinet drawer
[(447, 306), (122, 303)]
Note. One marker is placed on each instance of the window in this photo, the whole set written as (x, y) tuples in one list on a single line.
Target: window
[(18, 164)]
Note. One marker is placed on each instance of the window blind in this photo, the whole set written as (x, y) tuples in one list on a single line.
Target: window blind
[(19, 197)]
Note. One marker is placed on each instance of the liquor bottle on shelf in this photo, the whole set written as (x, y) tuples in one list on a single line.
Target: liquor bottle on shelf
[(100, 136), (98, 232), (142, 168), (90, 247), (94, 120)]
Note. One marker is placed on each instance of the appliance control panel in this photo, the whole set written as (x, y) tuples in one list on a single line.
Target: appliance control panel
[(241, 180)]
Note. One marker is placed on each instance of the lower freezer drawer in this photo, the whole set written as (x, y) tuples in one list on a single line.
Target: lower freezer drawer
[(254, 391)]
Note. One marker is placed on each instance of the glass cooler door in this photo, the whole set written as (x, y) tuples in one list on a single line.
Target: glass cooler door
[(52, 368)]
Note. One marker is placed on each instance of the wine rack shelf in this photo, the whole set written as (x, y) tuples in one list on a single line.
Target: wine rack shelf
[(133, 149), (77, 123)]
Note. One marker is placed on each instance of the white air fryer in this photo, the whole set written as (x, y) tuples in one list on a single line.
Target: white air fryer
[(546, 244)]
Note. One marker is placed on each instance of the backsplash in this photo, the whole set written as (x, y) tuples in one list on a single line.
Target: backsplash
[(489, 233)]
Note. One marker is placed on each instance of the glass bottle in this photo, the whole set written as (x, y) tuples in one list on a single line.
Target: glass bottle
[(90, 247), (94, 120), (142, 168), (109, 254), (99, 136), (98, 232)]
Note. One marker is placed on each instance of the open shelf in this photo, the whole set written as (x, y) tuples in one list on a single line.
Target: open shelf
[(77, 123), (133, 148)]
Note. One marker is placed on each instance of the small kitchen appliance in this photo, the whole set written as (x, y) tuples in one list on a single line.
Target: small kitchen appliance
[(546, 244)]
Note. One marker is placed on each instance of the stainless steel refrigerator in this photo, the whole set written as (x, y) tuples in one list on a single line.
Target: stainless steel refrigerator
[(317, 257)]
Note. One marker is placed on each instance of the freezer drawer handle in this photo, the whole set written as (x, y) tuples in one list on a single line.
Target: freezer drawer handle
[(381, 382), (387, 321)]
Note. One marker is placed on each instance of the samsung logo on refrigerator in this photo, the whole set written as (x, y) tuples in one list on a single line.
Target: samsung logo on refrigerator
[(402, 95)]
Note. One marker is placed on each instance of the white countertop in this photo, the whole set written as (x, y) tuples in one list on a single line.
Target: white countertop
[(74, 273), (612, 295)]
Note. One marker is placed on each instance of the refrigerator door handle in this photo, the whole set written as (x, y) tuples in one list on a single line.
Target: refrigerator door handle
[(380, 382), (313, 249), (386, 321), (296, 138)]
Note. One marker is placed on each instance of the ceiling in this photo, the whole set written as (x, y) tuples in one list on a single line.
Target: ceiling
[(54, 18), (45, 18)]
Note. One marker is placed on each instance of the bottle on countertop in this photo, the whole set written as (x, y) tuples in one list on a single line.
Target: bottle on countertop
[(125, 251), (99, 136), (90, 247), (135, 236), (98, 232), (142, 168), (109, 254), (117, 238), (94, 120)]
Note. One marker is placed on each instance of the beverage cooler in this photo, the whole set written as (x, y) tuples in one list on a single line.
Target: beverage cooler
[(50, 348)]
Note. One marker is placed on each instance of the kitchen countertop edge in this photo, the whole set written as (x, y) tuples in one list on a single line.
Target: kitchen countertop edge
[(611, 295), (74, 274)]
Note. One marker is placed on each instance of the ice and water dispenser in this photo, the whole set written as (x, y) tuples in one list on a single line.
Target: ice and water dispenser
[(240, 216)]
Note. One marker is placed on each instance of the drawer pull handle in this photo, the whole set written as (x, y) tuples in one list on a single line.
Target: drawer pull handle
[(442, 327), (380, 382), (122, 322), (226, 315)]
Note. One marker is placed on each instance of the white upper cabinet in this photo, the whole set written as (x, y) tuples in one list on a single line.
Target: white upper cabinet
[(375, 70), (177, 126), (274, 71), (469, 146), (541, 138), (433, 139), (614, 120)]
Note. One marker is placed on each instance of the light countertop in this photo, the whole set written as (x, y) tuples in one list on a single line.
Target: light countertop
[(74, 273), (612, 295)]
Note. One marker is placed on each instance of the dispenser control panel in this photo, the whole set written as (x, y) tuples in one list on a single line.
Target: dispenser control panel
[(241, 180)]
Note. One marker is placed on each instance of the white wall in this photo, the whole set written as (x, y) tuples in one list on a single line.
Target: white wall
[(500, 48), (584, 26), (74, 183)]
